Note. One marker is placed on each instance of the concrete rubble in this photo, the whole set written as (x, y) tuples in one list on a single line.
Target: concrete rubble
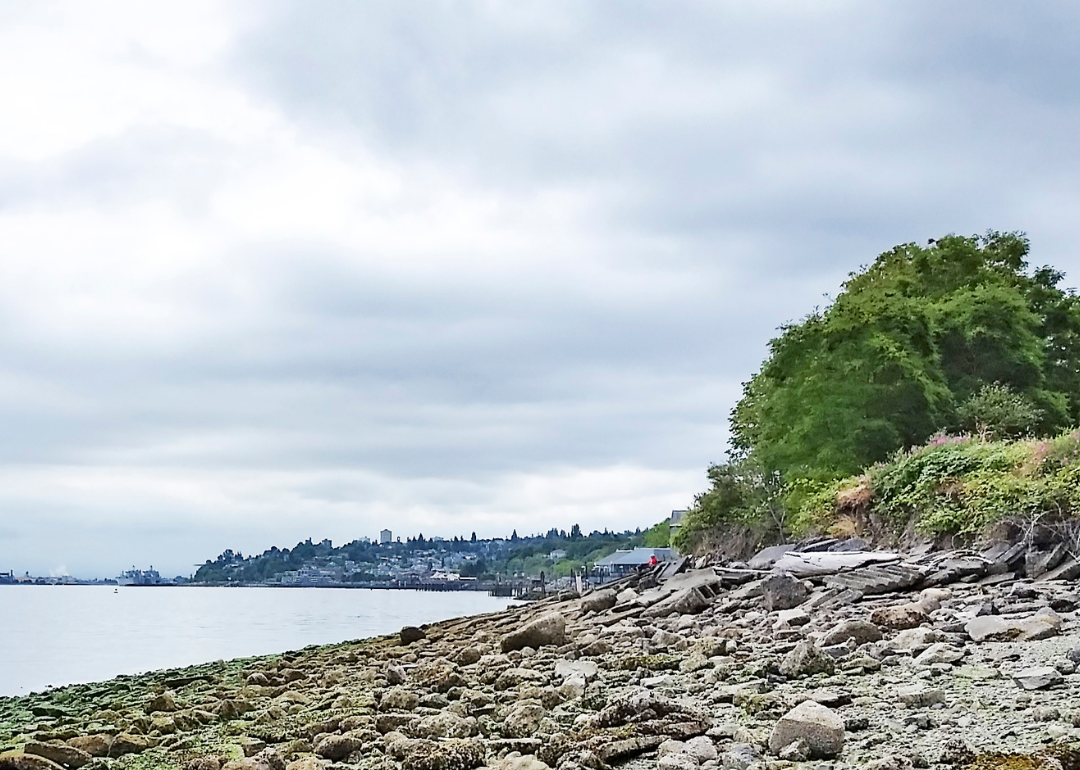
[(830, 656)]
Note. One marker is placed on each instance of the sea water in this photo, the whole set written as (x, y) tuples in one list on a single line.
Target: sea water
[(57, 635)]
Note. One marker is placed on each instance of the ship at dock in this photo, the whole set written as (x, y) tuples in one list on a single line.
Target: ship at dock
[(138, 577)]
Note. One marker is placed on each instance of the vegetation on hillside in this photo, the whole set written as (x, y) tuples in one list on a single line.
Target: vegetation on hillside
[(502, 557), (957, 337), (952, 485)]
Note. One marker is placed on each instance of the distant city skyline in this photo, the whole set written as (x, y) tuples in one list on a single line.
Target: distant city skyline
[(273, 271)]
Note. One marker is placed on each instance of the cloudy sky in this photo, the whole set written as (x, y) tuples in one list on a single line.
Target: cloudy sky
[(272, 270)]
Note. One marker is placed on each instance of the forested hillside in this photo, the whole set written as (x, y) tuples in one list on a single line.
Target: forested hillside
[(958, 347)]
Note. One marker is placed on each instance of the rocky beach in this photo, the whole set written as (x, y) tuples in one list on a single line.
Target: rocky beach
[(819, 655)]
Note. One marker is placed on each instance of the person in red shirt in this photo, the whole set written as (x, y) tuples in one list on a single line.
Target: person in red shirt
[(652, 560)]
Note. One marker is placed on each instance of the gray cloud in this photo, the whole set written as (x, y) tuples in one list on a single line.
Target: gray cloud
[(477, 267)]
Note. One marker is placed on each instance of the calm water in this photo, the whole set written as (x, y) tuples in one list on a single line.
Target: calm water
[(56, 635)]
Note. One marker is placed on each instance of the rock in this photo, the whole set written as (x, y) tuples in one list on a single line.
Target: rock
[(62, 754), (125, 743), (899, 617), (410, 634), (862, 631), (586, 669), (891, 762), (164, 702), (438, 675), (94, 745), (688, 601), (792, 618), (920, 695), (739, 756), (338, 747), (939, 652), (395, 675), (17, 760), (420, 754), (996, 628), (547, 630), (627, 595), (466, 656), (820, 728), (677, 762), (915, 640), (769, 556), (956, 752), (806, 660), (523, 720), (399, 699), (445, 725), (782, 592), (258, 678), (599, 601), (1038, 678), (522, 762), (930, 599), (307, 763), (572, 688), (203, 763), (799, 751), (701, 748)]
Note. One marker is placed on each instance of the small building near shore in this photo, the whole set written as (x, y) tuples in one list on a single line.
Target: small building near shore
[(625, 562)]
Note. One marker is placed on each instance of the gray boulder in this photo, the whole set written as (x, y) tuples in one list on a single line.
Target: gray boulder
[(688, 601), (549, 629), (598, 601), (806, 660), (820, 729), (1038, 678), (782, 592), (862, 631)]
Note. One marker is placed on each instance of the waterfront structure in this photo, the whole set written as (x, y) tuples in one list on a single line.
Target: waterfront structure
[(138, 577), (624, 562), (675, 521)]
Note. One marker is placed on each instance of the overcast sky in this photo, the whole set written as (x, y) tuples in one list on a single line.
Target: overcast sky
[(274, 270)]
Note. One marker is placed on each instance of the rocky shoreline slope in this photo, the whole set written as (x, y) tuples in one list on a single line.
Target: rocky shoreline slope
[(820, 658)]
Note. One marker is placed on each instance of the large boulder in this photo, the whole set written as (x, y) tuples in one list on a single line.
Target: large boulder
[(862, 631), (806, 660), (445, 724), (62, 754), (410, 634), (546, 630), (94, 745), (688, 601), (17, 760), (598, 601), (820, 729), (126, 743), (899, 617), (1038, 677), (399, 699), (338, 747), (523, 719), (994, 628), (783, 591), (421, 754), (164, 702)]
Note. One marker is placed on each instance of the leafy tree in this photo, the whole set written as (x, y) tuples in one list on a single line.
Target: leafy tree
[(906, 345), (998, 412)]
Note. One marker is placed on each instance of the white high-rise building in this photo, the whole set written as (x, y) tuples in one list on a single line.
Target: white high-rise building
[(386, 537)]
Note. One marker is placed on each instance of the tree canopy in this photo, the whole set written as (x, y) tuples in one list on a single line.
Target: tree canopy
[(910, 347)]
